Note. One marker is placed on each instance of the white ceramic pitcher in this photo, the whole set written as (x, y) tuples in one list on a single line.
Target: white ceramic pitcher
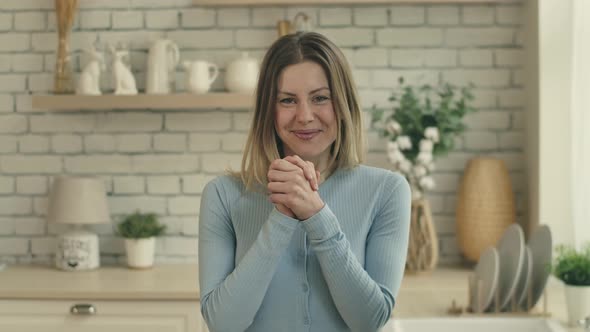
[(199, 75), (162, 60)]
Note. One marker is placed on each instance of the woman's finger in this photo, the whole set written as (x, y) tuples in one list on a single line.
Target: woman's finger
[(308, 169), (280, 187), (274, 175), (279, 199), (283, 165)]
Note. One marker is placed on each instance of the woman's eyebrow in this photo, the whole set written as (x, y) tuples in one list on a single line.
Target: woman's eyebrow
[(312, 91)]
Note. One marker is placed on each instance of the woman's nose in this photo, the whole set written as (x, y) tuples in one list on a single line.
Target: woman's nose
[(304, 113)]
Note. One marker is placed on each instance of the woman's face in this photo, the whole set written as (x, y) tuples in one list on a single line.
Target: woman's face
[(305, 119)]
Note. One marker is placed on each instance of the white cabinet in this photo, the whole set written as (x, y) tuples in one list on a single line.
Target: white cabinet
[(109, 316), (109, 299)]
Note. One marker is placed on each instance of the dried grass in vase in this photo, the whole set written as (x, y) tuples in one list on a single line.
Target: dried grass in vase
[(64, 11)]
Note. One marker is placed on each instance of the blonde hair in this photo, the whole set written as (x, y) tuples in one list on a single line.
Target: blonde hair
[(263, 144)]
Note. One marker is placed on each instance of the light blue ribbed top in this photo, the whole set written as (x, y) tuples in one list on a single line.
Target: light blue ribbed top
[(339, 270)]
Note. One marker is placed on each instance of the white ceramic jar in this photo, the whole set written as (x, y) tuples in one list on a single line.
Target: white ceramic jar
[(241, 75)]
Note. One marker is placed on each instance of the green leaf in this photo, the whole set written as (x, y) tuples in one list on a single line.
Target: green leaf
[(140, 225), (572, 266), (417, 107)]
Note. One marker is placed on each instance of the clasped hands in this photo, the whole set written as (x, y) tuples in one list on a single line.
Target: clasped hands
[(293, 185)]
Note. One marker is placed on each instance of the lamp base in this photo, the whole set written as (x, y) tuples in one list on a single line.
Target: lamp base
[(77, 250)]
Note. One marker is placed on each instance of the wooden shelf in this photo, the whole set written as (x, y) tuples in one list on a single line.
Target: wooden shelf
[(338, 2), (142, 101)]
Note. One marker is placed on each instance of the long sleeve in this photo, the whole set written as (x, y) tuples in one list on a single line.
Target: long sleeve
[(365, 298), (231, 295)]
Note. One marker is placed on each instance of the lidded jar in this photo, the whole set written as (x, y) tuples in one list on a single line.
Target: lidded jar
[(241, 75)]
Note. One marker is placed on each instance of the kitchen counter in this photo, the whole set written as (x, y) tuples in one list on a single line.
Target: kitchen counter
[(431, 294), (421, 295), (163, 282)]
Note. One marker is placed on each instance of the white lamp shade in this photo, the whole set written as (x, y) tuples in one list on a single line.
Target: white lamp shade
[(78, 200)]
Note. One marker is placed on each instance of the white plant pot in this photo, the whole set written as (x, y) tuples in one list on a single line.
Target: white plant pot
[(140, 252), (578, 303)]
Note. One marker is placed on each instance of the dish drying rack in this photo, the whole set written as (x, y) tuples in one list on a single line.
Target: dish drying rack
[(475, 309)]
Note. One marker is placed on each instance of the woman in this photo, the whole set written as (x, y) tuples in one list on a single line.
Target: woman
[(304, 238)]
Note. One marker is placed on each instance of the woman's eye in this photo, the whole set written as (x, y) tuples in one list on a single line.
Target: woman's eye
[(320, 99), (287, 101)]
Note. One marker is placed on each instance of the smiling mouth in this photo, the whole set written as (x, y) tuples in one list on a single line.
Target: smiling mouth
[(306, 134)]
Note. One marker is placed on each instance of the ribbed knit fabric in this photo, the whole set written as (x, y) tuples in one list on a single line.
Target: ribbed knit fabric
[(339, 270)]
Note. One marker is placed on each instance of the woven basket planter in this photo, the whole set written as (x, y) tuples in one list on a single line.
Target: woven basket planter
[(485, 206)]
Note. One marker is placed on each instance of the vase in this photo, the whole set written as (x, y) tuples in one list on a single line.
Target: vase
[(423, 245), (577, 303), (63, 76), (140, 252), (485, 206), (63, 79)]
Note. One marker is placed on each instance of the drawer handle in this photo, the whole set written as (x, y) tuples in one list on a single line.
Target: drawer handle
[(83, 309)]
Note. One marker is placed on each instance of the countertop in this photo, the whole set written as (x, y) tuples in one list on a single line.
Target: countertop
[(431, 295), (421, 295), (163, 282)]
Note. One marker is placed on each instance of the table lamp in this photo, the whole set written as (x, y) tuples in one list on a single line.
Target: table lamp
[(77, 201)]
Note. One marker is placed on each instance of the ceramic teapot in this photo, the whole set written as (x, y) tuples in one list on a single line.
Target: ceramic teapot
[(162, 60), (199, 75), (241, 75)]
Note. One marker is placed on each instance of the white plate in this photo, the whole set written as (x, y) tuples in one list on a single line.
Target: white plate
[(486, 270), (525, 278), (511, 251), (541, 245)]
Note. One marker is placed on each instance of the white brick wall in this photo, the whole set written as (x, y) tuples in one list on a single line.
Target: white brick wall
[(372, 16), (198, 18), (31, 185), (14, 42), (161, 160), (267, 17), (127, 20), (161, 19), (332, 16), (66, 143), (401, 15), (233, 17), (443, 15), (128, 184), (410, 37), (163, 185), (6, 185), (5, 21), (27, 62), (133, 143), (30, 21)]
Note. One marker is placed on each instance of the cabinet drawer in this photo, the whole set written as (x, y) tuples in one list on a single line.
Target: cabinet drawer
[(100, 316)]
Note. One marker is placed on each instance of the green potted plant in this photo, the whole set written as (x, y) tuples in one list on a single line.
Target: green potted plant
[(422, 125), (572, 267), (140, 231)]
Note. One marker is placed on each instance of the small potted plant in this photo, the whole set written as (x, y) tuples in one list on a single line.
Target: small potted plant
[(140, 231), (572, 267)]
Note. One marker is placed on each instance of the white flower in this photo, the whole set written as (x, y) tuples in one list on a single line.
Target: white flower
[(427, 182), (404, 142), (393, 127), (395, 156), (405, 166), (424, 157), (391, 156), (426, 145), (432, 133), (420, 171), (392, 146)]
